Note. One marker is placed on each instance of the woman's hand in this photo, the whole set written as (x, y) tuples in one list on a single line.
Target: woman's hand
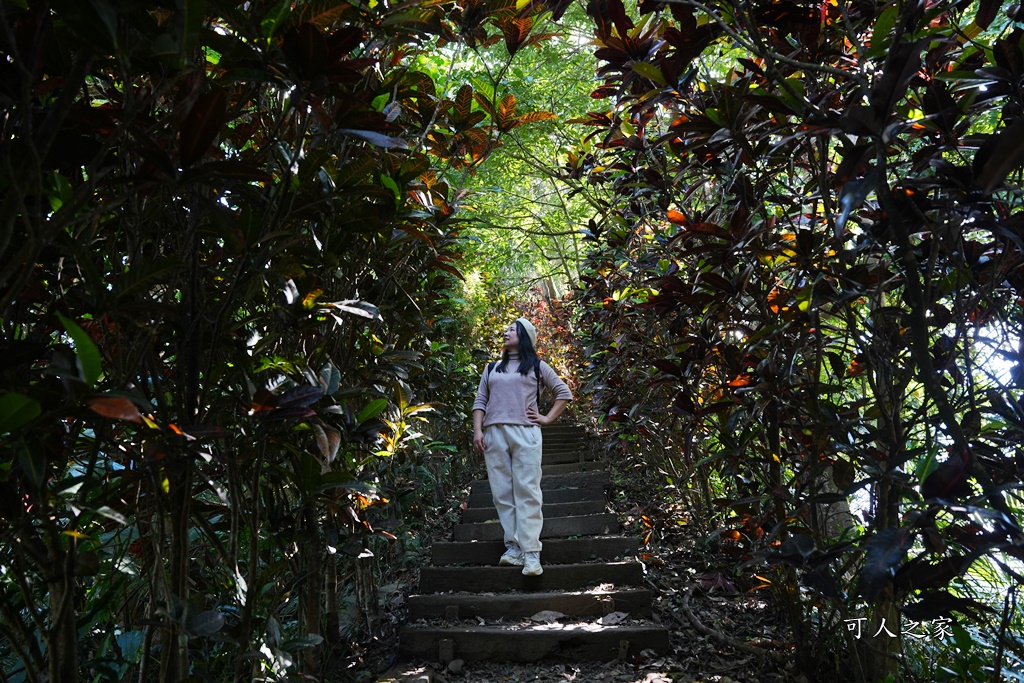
[(536, 418), (478, 442)]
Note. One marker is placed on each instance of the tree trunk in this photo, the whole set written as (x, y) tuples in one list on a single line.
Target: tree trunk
[(366, 591), (63, 637), (174, 653), (881, 649), (311, 595), (333, 635)]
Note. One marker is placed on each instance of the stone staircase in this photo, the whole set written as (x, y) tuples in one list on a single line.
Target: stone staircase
[(471, 609)]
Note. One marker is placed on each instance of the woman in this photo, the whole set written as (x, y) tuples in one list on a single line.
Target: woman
[(506, 429)]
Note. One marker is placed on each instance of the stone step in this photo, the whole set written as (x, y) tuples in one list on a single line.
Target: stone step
[(559, 444), (555, 577), (556, 551), (557, 527), (554, 445), (479, 500), (572, 467), (557, 441), (582, 480), (563, 428), (551, 510), (636, 603), (563, 456), (573, 642)]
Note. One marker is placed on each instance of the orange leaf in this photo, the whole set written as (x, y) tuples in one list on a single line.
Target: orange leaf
[(115, 408), (677, 217), (506, 110), (536, 116)]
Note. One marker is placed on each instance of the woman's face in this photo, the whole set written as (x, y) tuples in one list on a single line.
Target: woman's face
[(511, 337)]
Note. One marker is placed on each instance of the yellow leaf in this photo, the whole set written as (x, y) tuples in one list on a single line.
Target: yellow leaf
[(310, 300)]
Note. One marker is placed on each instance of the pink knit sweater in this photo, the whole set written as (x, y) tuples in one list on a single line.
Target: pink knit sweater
[(505, 396)]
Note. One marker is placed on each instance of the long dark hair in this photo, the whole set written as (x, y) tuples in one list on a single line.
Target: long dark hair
[(527, 354)]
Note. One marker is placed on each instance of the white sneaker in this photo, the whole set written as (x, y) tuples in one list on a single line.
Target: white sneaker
[(513, 556), (531, 564)]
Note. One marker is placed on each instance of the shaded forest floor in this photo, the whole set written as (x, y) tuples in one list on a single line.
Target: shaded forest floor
[(692, 579)]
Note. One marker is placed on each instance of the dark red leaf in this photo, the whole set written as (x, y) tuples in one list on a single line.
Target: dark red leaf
[(1001, 153), (294, 413), (200, 127), (115, 408), (949, 480), (902, 63), (300, 397), (987, 11), (668, 367), (885, 550), (935, 604), (263, 400), (920, 574)]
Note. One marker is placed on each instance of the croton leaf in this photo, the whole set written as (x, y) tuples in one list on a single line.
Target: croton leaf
[(116, 408), (935, 604), (506, 111), (885, 550), (300, 397), (201, 126)]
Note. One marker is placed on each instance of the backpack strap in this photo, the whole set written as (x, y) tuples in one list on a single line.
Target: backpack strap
[(536, 371)]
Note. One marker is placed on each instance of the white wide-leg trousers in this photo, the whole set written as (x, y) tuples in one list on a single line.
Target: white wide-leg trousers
[(513, 454)]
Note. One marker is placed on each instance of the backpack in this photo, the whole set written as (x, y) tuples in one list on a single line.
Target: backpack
[(536, 372)]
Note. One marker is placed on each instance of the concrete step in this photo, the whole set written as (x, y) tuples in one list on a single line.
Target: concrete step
[(479, 500), (557, 527), (455, 606), (555, 577), (571, 642), (583, 480), (556, 551), (551, 510)]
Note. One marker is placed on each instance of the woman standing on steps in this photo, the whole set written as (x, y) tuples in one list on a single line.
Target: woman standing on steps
[(506, 429)]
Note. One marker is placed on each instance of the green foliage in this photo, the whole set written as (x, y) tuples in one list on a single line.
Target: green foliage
[(800, 291), (230, 234)]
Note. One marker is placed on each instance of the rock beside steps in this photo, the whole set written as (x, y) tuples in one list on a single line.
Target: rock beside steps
[(589, 604)]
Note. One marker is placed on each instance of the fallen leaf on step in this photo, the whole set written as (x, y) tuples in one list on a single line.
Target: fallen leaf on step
[(547, 616), (613, 618)]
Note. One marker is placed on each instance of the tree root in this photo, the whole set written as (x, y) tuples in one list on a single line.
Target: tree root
[(779, 657)]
